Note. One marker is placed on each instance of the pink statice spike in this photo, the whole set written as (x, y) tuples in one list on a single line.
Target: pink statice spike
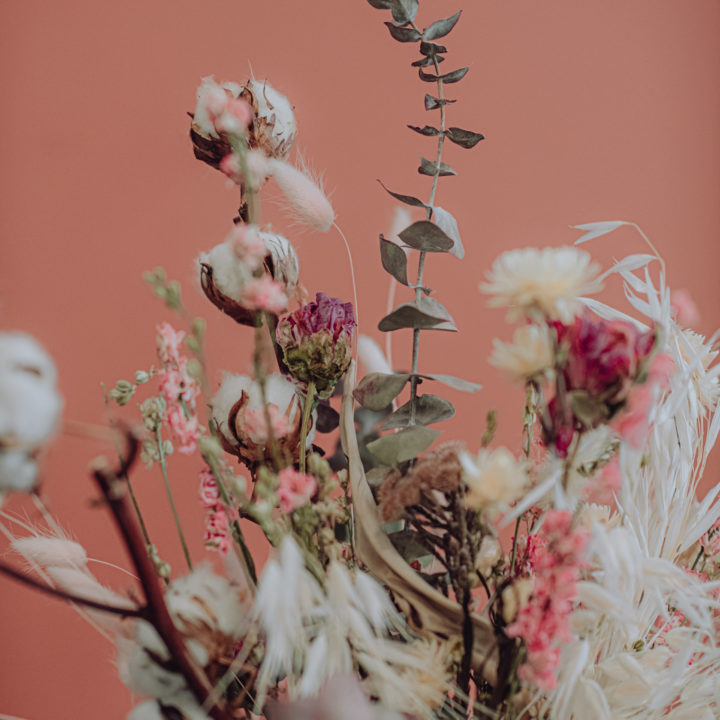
[(209, 496), (295, 489), (544, 619), (185, 429), (169, 341), (217, 530)]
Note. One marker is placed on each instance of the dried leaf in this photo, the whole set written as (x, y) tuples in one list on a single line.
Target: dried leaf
[(406, 542), (403, 34), (407, 199), (394, 260), (430, 168), (453, 382), (427, 236), (464, 138), (430, 49), (425, 130), (425, 314), (440, 28), (597, 229), (427, 610), (429, 409), (431, 103), (328, 418), (402, 446), (448, 78), (381, 4), (377, 390), (448, 224)]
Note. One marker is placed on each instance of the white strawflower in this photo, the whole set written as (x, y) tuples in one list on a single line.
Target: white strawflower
[(546, 282), (494, 479), (529, 355), (488, 555)]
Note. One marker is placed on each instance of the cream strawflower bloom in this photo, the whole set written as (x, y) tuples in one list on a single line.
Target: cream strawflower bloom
[(494, 479), (546, 282), (529, 354)]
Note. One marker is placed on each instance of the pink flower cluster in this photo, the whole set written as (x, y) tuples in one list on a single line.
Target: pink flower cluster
[(609, 374), (228, 114), (543, 621), (248, 245), (602, 488), (255, 427), (295, 489), (177, 388), (217, 523), (264, 293)]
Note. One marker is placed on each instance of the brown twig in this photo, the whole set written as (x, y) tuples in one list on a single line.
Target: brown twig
[(115, 493), (49, 590)]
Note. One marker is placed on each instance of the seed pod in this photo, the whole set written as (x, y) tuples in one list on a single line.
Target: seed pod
[(273, 129)]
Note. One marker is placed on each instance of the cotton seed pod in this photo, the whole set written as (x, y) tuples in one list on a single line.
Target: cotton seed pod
[(224, 276), (30, 408), (238, 412), (273, 129)]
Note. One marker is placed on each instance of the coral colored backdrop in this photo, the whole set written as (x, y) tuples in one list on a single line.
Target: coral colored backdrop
[(592, 111)]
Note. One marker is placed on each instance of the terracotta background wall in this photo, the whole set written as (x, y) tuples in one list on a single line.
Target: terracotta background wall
[(592, 111)]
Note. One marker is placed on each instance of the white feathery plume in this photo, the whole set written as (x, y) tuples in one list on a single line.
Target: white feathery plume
[(307, 200), (633, 657)]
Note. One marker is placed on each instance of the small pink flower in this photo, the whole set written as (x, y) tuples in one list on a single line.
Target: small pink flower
[(603, 488), (234, 117), (185, 429), (168, 343), (686, 311), (248, 245), (208, 488), (217, 530), (295, 489), (264, 294), (254, 424), (230, 166)]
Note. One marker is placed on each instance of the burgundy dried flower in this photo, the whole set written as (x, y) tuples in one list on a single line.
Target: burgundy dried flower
[(316, 341)]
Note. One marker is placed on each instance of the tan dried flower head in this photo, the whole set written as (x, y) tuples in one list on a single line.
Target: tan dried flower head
[(439, 470), (529, 355), (494, 479), (543, 283)]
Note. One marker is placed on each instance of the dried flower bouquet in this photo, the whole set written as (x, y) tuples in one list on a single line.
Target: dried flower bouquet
[(576, 576)]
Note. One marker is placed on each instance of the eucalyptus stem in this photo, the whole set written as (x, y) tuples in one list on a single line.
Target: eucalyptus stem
[(163, 466), (307, 409), (421, 260)]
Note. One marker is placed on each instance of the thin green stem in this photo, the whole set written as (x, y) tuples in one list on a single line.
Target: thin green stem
[(163, 466), (126, 477), (514, 546), (307, 409)]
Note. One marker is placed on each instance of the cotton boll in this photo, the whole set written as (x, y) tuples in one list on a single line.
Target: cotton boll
[(230, 275), (30, 404), (205, 599), (274, 127), (307, 200), (18, 471)]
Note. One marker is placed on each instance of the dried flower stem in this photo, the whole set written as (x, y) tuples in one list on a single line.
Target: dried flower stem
[(163, 466), (307, 410), (115, 494), (71, 597)]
